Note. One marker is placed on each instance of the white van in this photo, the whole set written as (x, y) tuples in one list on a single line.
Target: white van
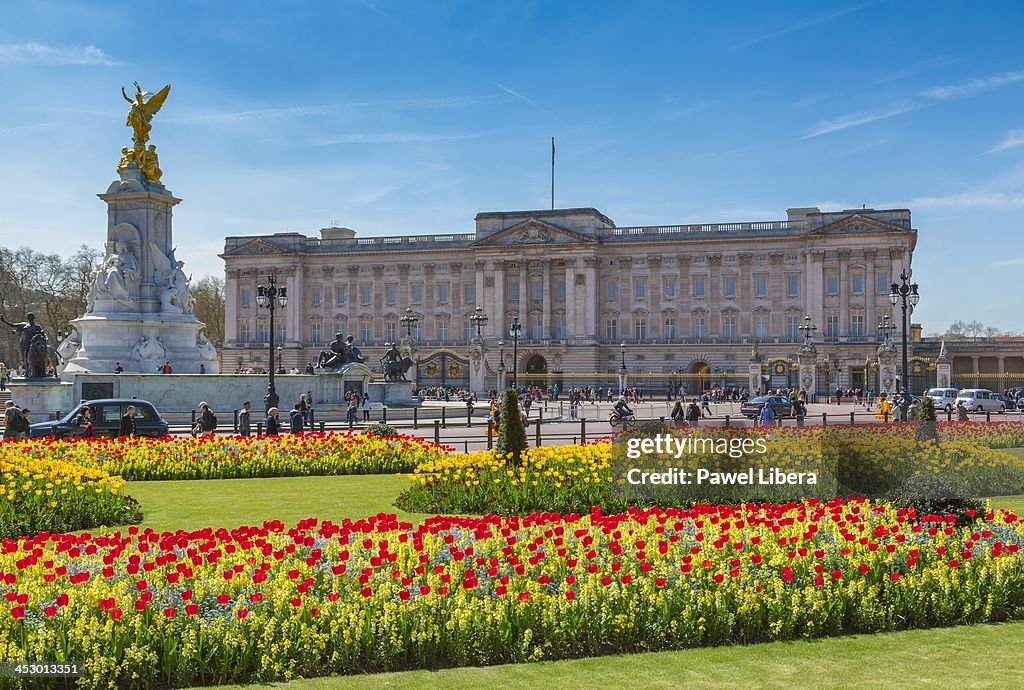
[(944, 398), (981, 400)]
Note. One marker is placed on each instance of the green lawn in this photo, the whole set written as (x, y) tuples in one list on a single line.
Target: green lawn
[(966, 657), (192, 504)]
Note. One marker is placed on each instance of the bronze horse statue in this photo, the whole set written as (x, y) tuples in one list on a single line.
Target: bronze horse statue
[(394, 370)]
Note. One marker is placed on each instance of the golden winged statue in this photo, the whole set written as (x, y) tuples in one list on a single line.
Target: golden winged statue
[(142, 112)]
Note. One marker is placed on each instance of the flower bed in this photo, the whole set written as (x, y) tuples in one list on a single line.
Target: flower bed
[(235, 457), (868, 461), (56, 496), (264, 604)]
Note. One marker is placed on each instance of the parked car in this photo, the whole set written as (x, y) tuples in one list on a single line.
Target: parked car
[(779, 403), (981, 400), (1010, 403), (106, 419), (944, 398)]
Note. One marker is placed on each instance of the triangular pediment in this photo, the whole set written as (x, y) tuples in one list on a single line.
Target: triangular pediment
[(533, 231), (258, 246), (857, 223)]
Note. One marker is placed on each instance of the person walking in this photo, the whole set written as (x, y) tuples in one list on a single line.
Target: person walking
[(799, 411), (15, 424), (767, 416), (353, 410), (693, 413), (127, 429), (366, 407), (961, 411), (678, 416), (273, 424), (244, 420), (295, 422)]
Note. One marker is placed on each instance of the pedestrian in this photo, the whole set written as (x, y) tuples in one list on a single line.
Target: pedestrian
[(961, 411), (705, 407), (244, 422), (273, 424), (353, 409), (309, 369), (206, 424), (15, 426), (767, 416), (202, 368), (678, 416), (118, 369), (693, 413), (295, 422), (366, 407), (309, 409), (127, 429), (799, 411)]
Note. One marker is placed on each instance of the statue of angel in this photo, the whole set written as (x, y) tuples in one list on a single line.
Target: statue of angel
[(175, 296), (142, 111)]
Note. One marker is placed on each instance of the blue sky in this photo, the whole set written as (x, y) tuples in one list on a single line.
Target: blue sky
[(409, 117)]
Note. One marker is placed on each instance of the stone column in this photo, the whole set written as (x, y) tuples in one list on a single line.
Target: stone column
[(844, 292), (714, 292), (477, 366), (975, 370), (429, 321), (777, 295), (485, 298), (546, 300), (524, 295), (497, 283), (625, 297), (754, 374), (870, 294), (684, 292), (654, 326), (591, 300), (296, 308), (808, 359), (403, 288), (571, 330), (377, 306), (745, 288)]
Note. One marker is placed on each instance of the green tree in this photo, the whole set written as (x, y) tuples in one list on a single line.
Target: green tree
[(511, 434), (208, 293)]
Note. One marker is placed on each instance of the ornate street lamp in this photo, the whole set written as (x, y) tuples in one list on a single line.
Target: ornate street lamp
[(271, 297), (808, 329), (905, 294), (885, 327), (514, 330), (478, 319), (409, 320)]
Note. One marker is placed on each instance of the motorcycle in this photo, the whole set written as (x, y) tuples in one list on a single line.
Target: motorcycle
[(627, 421)]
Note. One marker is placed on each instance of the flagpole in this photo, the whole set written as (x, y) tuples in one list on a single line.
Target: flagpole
[(552, 173)]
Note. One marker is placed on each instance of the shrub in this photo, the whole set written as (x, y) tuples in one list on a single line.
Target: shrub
[(382, 430), (511, 434)]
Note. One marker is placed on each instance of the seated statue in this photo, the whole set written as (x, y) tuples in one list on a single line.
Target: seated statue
[(340, 353)]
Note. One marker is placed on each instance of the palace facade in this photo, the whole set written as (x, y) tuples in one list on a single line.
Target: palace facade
[(680, 303)]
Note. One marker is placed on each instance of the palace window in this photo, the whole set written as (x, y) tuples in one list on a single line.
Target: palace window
[(611, 290), (442, 330), (832, 326), (560, 328), (857, 325), (760, 286), (882, 282), (560, 289), (729, 287), (857, 280), (698, 287), (243, 332), (391, 330), (833, 284), (314, 333), (792, 285), (611, 329), (640, 288), (364, 331), (513, 289), (246, 297), (282, 332), (364, 294), (390, 294), (668, 288), (442, 293), (340, 294), (670, 328), (537, 328), (698, 327), (417, 294), (640, 328), (729, 327), (793, 327), (262, 332), (537, 289), (469, 293), (315, 297), (761, 327)]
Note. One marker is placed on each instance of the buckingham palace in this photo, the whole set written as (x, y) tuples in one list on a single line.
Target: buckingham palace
[(676, 304)]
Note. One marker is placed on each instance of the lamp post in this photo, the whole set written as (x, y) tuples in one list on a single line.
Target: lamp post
[(501, 365), (409, 320), (905, 294), (478, 319), (807, 329), (271, 297), (885, 327), (623, 371), (514, 330)]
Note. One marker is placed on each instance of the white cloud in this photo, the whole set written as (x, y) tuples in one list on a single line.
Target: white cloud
[(857, 119), (802, 24), (990, 200), (1013, 139), (973, 86), (42, 54), (1019, 261)]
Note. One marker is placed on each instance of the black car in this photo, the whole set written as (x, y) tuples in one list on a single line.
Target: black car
[(106, 420), (1008, 402), (779, 403)]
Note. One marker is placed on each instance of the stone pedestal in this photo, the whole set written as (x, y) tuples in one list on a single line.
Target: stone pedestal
[(808, 359), (943, 375), (393, 393), (332, 386), (477, 370), (754, 378), (42, 397), (887, 368), (623, 380), (139, 310)]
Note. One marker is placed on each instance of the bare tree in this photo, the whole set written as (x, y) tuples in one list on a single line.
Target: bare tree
[(208, 293)]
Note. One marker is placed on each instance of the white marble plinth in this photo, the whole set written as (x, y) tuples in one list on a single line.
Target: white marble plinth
[(393, 393), (43, 397), (140, 344)]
